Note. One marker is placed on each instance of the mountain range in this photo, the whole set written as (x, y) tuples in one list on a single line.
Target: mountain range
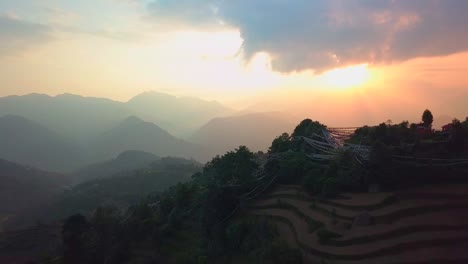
[(67, 132), (254, 130), (180, 116), (136, 134), (83, 118), (30, 143), (126, 161)]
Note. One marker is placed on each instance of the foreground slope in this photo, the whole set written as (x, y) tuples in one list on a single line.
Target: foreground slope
[(416, 225)]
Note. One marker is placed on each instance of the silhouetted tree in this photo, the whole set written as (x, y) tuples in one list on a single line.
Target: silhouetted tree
[(427, 117), (73, 235), (307, 128), (280, 144), (457, 140), (233, 168)]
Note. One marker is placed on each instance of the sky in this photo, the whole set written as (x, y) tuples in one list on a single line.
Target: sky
[(346, 62)]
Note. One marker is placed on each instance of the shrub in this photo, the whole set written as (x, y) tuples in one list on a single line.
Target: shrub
[(280, 253), (325, 235), (313, 225), (330, 187)]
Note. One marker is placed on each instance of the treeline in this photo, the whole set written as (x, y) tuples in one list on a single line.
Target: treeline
[(192, 222), (187, 223)]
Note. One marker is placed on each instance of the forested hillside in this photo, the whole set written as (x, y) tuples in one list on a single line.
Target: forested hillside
[(318, 195), (24, 191)]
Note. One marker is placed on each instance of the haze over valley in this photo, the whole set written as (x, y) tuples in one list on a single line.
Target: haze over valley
[(66, 132), (233, 132)]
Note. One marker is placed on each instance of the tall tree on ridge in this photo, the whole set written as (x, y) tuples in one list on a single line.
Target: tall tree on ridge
[(427, 118)]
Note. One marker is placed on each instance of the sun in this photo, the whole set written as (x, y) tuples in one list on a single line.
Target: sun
[(347, 77)]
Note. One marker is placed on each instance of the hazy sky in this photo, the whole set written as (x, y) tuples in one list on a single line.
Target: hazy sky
[(343, 61)]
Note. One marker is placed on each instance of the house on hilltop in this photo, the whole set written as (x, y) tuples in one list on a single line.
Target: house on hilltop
[(423, 130), (447, 128)]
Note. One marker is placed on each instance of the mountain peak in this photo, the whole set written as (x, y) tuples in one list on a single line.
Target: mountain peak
[(155, 96), (131, 120), (151, 95)]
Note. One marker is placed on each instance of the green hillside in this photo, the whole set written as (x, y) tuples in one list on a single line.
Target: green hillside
[(316, 197)]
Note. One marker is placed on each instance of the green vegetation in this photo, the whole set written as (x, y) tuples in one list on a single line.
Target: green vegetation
[(427, 118), (280, 144), (307, 128), (125, 188), (325, 235), (201, 220), (187, 223)]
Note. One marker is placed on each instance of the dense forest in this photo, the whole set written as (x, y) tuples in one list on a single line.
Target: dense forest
[(204, 219)]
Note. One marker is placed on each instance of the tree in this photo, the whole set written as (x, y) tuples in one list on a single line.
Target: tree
[(280, 144), (233, 168), (73, 231), (307, 128), (427, 118)]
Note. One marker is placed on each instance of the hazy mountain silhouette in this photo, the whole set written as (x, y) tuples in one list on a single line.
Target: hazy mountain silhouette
[(255, 130), (24, 189), (77, 117), (178, 115), (136, 134), (32, 144), (84, 118), (124, 162)]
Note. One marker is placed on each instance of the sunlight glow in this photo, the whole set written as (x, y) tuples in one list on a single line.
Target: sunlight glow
[(348, 77)]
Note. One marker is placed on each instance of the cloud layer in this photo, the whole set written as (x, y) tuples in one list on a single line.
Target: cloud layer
[(324, 34), (16, 34)]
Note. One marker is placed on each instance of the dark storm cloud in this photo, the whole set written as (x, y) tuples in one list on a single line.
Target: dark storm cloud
[(16, 35), (323, 34)]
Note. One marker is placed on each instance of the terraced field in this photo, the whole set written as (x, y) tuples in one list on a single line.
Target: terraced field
[(26, 246), (421, 225)]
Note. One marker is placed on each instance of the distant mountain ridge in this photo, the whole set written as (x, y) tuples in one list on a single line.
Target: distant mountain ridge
[(126, 161), (68, 132), (27, 142), (178, 115), (255, 130), (77, 117), (83, 118), (136, 134)]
